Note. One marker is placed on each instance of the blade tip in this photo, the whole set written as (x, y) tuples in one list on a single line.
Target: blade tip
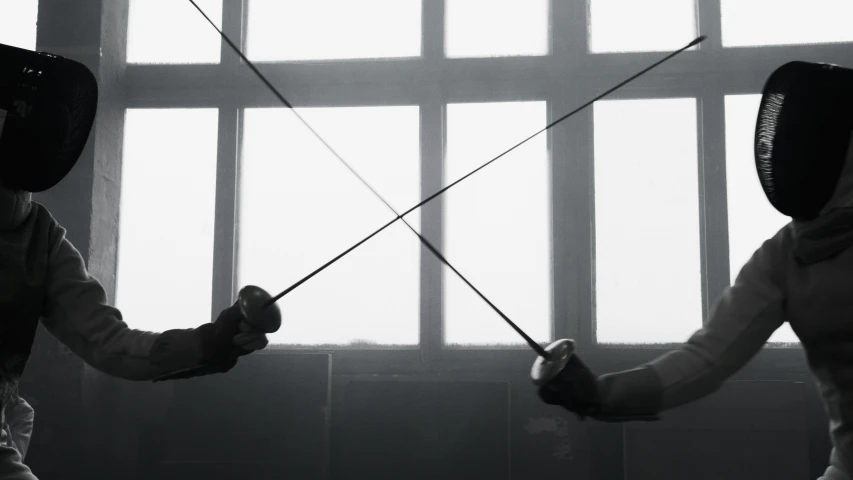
[(699, 40)]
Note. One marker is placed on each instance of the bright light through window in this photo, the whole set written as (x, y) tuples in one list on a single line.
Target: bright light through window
[(496, 28), (641, 26), (173, 32), (752, 219), (785, 22), (300, 207), (497, 224), (168, 190), (18, 23), (333, 29), (647, 263)]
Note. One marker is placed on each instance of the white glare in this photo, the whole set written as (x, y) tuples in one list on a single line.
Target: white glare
[(497, 224), (641, 26), (333, 29), (18, 23), (647, 264), (496, 28), (173, 32), (300, 207), (785, 22), (168, 190)]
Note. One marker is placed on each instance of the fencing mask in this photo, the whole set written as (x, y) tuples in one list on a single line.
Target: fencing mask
[(47, 108), (802, 135)]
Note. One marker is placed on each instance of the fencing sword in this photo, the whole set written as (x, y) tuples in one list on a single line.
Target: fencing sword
[(544, 354)]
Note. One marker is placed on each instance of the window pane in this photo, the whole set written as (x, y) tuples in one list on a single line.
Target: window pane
[(497, 224), (752, 219), (333, 29), (18, 23), (647, 264), (646, 26), (168, 190), (300, 207), (166, 31), (496, 28), (785, 22)]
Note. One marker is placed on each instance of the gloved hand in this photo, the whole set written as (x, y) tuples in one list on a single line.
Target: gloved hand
[(208, 349), (228, 338), (630, 395), (575, 389)]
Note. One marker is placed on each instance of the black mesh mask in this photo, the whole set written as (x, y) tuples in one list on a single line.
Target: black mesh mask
[(802, 136), (47, 108)]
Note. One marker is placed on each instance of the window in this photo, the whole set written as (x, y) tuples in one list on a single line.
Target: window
[(789, 22), (300, 207), (496, 28), (632, 26), (603, 229), (166, 31), (753, 220), (355, 29), (165, 246), (497, 226), (18, 23), (647, 258)]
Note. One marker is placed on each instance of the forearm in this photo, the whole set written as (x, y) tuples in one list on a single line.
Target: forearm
[(674, 379), (169, 351), (80, 317), (638, 391), (743, 319), (106, 343), (695, 370)]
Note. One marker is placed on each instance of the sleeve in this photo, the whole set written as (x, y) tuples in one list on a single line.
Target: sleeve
[(741, 323), (20, 416), (77, 314)]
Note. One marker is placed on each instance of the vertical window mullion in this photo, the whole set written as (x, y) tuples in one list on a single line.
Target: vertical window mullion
[(225, 236), (583, 186), (568, 46), (583, 192), (566, 188), (709, 23), (712, 169), (432, 141), (712, 178), (432, 161), (224, 286), (233, 22)]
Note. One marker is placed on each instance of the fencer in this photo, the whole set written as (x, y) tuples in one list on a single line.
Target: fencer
[(47, 109), (803, 275)]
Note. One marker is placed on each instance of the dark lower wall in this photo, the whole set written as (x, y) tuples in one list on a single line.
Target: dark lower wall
[(289, 416), (431, 426)]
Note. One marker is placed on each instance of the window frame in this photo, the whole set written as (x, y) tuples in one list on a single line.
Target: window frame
[(683, 86), (565, 78)]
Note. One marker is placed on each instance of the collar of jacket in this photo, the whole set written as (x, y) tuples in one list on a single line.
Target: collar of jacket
[(823, 237)]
